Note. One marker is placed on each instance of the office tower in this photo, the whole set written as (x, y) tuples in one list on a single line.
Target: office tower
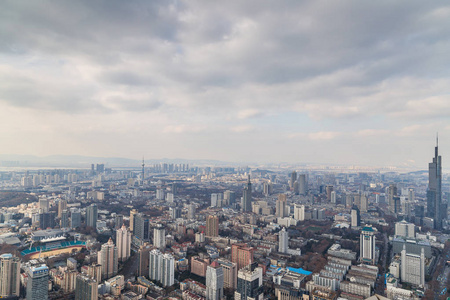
[(212, 226), (283, 241), (281, 206), (161, 267), (75, 218), (109, 259), (367, 245), (364, 203), (118, 221), (299, 212), (328, 190), (229, 197), (242, 255), (333, 197), (91, 216), (37, 284), (302, 184), (133, 213), (64, 223), (47, 220), (141, 227), (405, 229), (413, 267), (214, 282), (392, 193), (143, 254), (9, 275), (123, 240), (87, 288), (229, 273), (249, 283), (43, 205), (293, 180), (62, 205), (159, 237), (191, 211), (434, 192), (356, 217), (247, 197)]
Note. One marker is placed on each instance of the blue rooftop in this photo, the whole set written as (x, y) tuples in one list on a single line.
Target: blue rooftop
[(299, 271)]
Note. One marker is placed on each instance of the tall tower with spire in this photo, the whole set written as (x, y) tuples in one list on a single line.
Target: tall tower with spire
[(247, 197), (434, 192), (143, 169)]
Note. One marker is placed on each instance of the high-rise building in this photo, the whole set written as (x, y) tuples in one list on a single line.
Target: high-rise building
[(299, 213), (413, 267), (364, 203), (143, 254), (62, 205), (64, 222), (37, 284), (367, 245), (43, 204), (87, 288), (293, 180), (250, 283), (212, 226), (356, 216), (133, 213), (191, 211), (328, 190), (141, 227), (333, 197), (118, 221), (229, 273), (281, 206), (75, 218), (392, 193), (95, 271), (229, 197), (434, 192), (92, 216), (214, 282), (348, 200), (108, 258), (302, 184), (242, 255), (47, 220), (161, 267), (9, 275), (405, 229), (247, 197), (159, 237), (283, 241), (123, 240)]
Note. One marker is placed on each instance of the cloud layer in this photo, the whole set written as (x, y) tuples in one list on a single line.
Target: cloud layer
[(290, 81)]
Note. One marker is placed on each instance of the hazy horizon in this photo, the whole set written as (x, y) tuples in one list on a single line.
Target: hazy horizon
[(344, 83)]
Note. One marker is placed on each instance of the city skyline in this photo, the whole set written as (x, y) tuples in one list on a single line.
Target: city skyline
[(342, 83)]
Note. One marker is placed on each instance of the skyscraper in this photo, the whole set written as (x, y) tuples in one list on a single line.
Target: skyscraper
[(62, 205), (242, 255), (247, 197), (141, 227), (37, 284), (43, 204), (123, 240), (293, 180), (109, 259), (249, 283), (9, 275), (392, 193), (91, 216), (434, 192), (161, 267), (133, 213), (214, 282), (356, 217), (87, 288), (283, 241), (75, 218), (302, 185), (413, 267), (47, 220), (64, 219), (159, 237), (367, 245), (281, 206), (212, 226)]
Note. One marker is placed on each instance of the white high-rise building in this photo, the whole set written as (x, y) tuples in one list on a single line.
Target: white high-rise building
[(191, 211), (123, 240), (299, 213), (159, 237), (333, 197), (367, 245), (9, 275), (214, 282), (283, 241), (108, 258), (413, 268), (356, 217), (161, 267), (405, 229)]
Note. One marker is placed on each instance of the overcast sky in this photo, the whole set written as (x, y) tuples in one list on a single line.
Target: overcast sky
[(351, 82)]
